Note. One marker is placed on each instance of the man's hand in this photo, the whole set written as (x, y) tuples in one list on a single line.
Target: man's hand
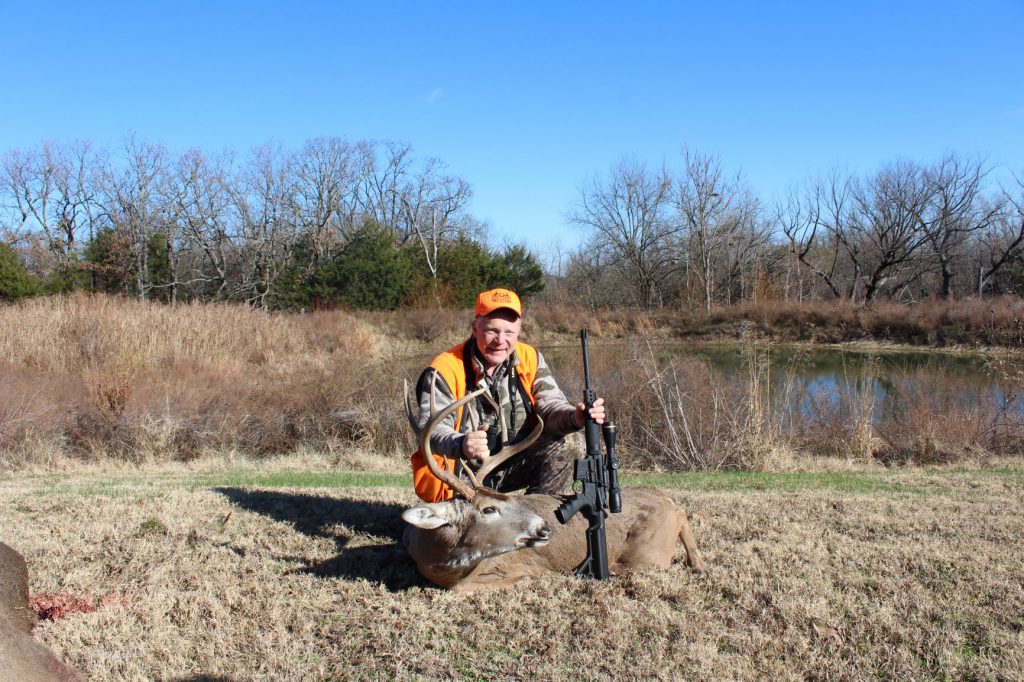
[(597, 412), (474, 446)]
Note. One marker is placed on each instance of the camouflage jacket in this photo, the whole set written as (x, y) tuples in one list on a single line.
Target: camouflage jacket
[(549, 402)]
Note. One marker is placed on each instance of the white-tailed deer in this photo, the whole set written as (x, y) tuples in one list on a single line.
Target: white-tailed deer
[(23, 658), (483, 539)]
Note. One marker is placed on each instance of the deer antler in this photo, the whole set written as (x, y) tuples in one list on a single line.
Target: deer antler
[(436, 417), (492, 462), (507, 451)]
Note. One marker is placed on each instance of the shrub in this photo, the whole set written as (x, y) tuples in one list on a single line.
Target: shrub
[(370, 274), (15, 280)]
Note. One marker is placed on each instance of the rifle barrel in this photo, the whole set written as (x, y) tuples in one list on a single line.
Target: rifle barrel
[(587, 396)]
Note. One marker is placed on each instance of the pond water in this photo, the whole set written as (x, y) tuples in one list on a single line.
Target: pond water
[(810, 379)]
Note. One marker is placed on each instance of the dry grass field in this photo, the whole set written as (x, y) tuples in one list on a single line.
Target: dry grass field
[(103, 379), (277, 573)]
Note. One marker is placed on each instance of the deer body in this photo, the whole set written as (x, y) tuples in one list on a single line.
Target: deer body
[(22, 657), (457, 545)]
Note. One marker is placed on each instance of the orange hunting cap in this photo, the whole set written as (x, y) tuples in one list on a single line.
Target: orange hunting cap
[(494, 299)]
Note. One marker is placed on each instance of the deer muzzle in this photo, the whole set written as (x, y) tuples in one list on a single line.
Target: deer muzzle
[(538, 537)]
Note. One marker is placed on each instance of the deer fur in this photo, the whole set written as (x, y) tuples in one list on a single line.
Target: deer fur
[(21, 657), (496, 540)]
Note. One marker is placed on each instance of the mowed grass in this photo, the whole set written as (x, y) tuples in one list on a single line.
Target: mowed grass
[(849, 481), (254, 573)]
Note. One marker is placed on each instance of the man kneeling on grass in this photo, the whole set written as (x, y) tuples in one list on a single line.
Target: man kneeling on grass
[(521, 385)]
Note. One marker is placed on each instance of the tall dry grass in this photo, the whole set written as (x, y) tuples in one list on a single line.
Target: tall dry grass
[(680, 414), (104, 377), (934, 322), (560, 319), (930, 424), (96, 378)]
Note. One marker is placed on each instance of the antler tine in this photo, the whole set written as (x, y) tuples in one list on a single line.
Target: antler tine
[(507, 452), (473, 480), (436, 417), (497, 410), (411, 412)]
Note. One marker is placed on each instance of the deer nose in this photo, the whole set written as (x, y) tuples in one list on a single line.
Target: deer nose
[(544, 531)]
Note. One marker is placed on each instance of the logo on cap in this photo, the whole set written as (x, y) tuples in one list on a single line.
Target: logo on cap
[(489, 301)]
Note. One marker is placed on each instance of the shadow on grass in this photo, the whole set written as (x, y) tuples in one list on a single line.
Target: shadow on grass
[(318, 515)]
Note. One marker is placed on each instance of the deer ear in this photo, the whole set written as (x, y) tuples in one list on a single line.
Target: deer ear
[(426, 516)]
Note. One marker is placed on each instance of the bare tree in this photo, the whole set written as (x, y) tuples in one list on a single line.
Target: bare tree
[(813, 224), (132, 198), (263, 203), (593, 280), (626, 220), (885, 237), (326, 183), (748, 254), (431, 208), (863, 237), (48, 193), (383, 185), (199, 225), (420, 202), (955, 212), (719, 219), (797, 280), (1003, 243)]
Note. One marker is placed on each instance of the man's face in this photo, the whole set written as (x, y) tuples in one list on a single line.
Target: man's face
[(496, 336)]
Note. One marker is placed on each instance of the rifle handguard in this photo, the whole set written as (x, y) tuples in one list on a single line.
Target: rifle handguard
[(614, 491)]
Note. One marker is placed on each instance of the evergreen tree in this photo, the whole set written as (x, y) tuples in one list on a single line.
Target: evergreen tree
[(292, 288), (158, 267), (108, 261), (370, 274), (15, 280), (517, 269), (465, 268)]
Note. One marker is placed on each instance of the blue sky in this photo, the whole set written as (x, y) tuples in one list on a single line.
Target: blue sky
[(529, 100)]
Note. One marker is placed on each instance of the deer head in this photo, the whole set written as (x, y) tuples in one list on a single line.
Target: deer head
[(459, 533)]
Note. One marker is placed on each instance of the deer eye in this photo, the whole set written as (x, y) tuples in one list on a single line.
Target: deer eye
[(489, 510)]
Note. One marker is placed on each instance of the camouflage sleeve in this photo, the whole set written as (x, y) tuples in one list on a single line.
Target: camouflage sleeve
[(445, 440), (552, 405)]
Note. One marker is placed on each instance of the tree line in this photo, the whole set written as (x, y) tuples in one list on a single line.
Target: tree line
[(698, 236), (365, 224), (368, 224)]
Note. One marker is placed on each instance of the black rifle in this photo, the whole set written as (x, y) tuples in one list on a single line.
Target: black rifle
[(600, 479)]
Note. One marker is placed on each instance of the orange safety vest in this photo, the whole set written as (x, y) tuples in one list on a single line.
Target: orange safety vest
[(451, 365)]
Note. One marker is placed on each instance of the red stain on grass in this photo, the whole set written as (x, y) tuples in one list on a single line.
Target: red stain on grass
[(54, 606)]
